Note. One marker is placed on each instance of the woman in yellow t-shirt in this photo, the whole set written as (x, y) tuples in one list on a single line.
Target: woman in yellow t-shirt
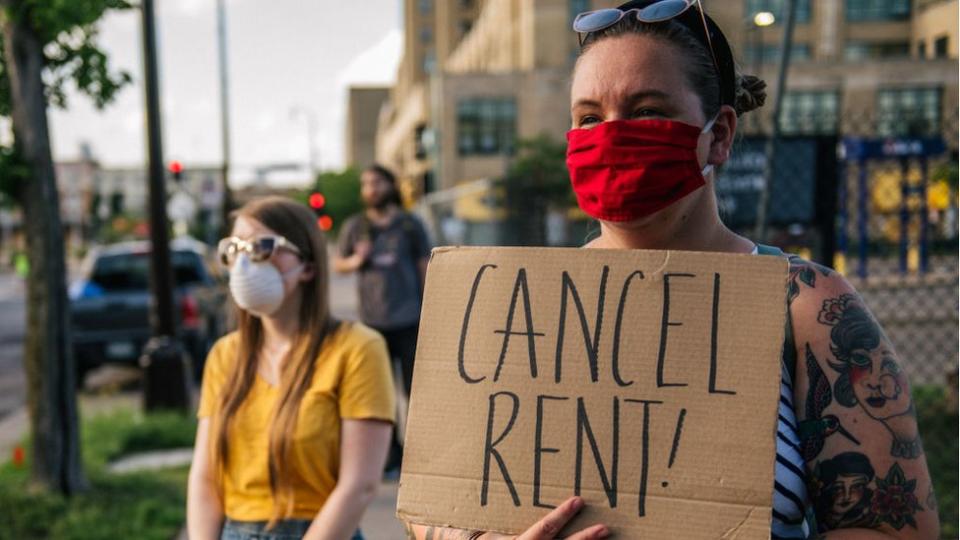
[(296, 409)]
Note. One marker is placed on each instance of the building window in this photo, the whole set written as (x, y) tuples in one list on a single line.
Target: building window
[(810, 112), (922, 49), (486, 126), (426, 6), (877, 10), (467, 4), (777, 8), (911, 112), (940, 47), (426, 35), (856, 51), (420, 146), (577, 7), (770, 53), (429, 61)]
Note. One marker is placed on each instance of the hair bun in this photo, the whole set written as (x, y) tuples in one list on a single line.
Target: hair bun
[(751, 93)]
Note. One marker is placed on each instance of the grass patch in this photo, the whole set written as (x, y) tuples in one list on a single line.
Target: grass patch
[(144, 505), (122, 432), (938, 427)]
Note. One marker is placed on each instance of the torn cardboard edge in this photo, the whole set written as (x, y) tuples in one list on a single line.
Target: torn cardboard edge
[(521, 349)]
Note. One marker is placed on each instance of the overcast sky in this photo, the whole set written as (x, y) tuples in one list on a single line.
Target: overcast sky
[(283, 54)]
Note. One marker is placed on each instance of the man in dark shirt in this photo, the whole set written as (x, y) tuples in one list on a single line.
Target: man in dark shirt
[(389, 250)]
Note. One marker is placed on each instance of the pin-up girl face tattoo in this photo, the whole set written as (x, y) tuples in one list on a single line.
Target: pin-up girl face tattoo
[(869, 373), (846, 492)]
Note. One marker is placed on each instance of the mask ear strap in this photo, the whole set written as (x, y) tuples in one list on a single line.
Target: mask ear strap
[(709, 125), (707, 169), (299, 267)]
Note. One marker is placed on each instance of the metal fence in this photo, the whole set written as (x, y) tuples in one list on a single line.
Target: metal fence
[(880, 209), (877, 205)]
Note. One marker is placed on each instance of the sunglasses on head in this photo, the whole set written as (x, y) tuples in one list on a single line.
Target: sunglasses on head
[(259, 248), (659, 11)]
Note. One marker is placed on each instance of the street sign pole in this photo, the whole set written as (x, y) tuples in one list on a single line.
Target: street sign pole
[(165, 370), (790, 9)]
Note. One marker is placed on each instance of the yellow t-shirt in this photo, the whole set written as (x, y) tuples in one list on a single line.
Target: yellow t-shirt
[(352, 379)]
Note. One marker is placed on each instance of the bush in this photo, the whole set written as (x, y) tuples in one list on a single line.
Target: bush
[(938, 427), (144, 505)]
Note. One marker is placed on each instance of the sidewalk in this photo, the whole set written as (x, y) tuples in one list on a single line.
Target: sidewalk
[(379, 522)]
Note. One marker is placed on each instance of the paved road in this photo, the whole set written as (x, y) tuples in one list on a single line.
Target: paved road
[(12, 327)]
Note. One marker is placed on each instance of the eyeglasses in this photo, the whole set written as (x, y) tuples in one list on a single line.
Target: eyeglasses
[(659, 11), (260, 248)]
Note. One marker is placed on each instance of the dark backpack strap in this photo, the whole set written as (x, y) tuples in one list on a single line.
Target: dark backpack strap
[(412, 227), (789, 345)]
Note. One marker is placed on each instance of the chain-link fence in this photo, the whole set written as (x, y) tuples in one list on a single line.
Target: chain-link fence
[(874, 197)]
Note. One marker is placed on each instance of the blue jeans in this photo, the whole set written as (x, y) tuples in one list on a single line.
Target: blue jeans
[(290, 529)]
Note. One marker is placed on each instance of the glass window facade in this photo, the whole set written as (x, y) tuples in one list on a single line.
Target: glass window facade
[(913, 112), (856, 51), (941, 47), (877, 10), (486, 126), (810, 112), (770, 53)]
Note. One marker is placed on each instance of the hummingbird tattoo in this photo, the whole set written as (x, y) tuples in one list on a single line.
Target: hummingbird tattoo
[(818, 426)]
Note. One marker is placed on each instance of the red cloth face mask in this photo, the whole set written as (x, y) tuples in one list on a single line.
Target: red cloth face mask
[(625, 170)]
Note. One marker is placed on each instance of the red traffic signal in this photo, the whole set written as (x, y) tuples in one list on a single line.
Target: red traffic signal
[(176, 167), (317, 201), (325, 223)]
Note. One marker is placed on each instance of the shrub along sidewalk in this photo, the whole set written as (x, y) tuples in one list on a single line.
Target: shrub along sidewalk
[(143, 505)]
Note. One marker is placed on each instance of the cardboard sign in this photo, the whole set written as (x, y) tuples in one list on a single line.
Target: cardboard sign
[(645, 381)]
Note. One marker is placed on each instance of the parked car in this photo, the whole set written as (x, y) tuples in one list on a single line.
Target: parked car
[(110, 304)]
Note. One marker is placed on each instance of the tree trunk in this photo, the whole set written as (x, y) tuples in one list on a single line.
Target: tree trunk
[(48, 359)]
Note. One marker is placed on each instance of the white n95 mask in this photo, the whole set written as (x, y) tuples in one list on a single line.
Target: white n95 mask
[(257, 287)]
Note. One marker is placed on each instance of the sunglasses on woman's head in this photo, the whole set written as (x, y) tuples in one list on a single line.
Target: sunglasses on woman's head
[(659, 11), (260, 248)]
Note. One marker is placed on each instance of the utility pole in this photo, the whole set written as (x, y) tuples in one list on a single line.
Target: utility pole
[(786, 45), (227, 203), (313, 156), (162, 358)]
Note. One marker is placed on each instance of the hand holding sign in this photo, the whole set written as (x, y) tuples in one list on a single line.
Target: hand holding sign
[(546, 529), (646, 382), (550, 526)]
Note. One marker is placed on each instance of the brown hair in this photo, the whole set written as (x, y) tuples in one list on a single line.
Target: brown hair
[(390, 178), (750, 91), (296, 223)]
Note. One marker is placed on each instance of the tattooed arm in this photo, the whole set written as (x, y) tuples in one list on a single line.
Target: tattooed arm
[(867, 472)]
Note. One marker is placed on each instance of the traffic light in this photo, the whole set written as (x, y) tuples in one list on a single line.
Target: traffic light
[(317, 201), (177, 169), (325, 222)]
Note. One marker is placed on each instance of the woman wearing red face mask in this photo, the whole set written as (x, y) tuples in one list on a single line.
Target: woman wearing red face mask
[(655, 102)]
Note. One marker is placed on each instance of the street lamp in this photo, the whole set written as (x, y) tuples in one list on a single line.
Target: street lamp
[(764, 18), (760, 20), (311, 119)]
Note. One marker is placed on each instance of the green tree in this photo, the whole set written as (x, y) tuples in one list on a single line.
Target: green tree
[(341, 189), (536, 182), (48, 47)]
